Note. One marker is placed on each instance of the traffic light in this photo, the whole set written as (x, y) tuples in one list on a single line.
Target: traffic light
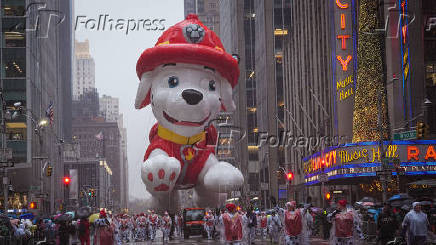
[(67, 181), (49, 171), (290, 177), (93, 193), (33, 205), (328, 196), (89, 193), (421, 130)]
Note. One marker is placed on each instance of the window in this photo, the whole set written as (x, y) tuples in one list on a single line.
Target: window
[(13, 7), (14, 62), (13, 30), (200, 7)]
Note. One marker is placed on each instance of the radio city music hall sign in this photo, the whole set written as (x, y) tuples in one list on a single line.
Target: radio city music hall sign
[(344, 55), (421, 153)]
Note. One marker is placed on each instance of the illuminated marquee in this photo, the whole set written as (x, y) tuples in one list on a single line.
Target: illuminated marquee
[(356, 160)]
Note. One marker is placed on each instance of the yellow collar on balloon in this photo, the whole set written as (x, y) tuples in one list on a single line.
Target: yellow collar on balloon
[(169, 135)]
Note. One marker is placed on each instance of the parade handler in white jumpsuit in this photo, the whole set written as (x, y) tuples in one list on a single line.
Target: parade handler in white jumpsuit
[(232, 222), (346, 225), (208, 224), (274, 226), (166, 226), (296, 228)]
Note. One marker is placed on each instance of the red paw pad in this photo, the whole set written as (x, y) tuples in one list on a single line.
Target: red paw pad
[(161, 187), (161, 173), (172, 176), (150, 176)]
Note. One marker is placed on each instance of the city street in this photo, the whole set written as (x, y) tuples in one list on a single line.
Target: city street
[(200, 240), (125, 120)]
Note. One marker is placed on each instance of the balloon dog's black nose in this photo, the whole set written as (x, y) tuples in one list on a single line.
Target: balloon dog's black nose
[(192, 96)]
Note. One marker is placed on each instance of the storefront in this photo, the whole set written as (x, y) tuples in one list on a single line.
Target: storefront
[(356, 165)]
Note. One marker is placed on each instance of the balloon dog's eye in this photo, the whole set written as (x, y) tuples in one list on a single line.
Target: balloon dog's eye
[(173, 81), (212, 85)]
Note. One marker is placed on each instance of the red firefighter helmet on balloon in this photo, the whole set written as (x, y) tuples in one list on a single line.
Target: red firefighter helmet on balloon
[(189, 41)]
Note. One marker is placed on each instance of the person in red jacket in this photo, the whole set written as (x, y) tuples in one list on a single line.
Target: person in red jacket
[(232, 222), (296, 230), (83, 228), (264, 225), (346, 225)]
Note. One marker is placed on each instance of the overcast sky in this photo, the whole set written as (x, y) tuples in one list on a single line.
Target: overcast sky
[(115, 55)]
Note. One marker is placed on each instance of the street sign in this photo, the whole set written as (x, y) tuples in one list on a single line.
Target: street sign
[(407, 135)]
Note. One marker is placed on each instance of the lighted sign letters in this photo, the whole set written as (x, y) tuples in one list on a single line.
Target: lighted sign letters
[(341, 5)]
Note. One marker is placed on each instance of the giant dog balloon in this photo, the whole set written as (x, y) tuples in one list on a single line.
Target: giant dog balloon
[(187, 77)]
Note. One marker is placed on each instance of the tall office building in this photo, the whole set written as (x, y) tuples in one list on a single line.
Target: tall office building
[(109, 108), (84, 74), (308, 108), (124, 176), (36, 56), (246, 28)]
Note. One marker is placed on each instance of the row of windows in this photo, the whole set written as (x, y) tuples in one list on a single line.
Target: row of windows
[(13, 73)]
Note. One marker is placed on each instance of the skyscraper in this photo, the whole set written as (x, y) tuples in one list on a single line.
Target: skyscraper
[(109, 108), (36, 83), (84, 74)]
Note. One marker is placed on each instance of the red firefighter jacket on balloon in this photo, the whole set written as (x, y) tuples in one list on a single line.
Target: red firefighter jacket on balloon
[(192, 154)]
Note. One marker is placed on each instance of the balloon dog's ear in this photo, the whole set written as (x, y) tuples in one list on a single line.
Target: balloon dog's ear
[(144, 90), (227, 103)]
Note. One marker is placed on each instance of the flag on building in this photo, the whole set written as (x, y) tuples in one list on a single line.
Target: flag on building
[(99, 136), (49, 113)]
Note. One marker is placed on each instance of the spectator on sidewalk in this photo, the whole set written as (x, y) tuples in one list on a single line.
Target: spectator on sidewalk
[(415, 225)]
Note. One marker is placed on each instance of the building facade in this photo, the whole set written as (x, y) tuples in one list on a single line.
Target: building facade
[(384, 84), (36, 83), (109, 108), (100, 141), (84, 76), (307, 74), (90, 180)]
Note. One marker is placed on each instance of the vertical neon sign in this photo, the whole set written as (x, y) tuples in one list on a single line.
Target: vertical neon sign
[(344, 66), (405, 58)]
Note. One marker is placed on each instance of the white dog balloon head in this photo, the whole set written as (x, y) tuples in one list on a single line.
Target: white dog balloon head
[(187, 78)]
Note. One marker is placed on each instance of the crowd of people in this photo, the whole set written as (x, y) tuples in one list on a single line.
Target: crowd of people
[(290, 225)]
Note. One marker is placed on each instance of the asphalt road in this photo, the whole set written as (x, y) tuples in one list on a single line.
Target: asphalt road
[(199, 241)]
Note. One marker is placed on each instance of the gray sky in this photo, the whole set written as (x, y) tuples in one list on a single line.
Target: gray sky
[(115, 55)]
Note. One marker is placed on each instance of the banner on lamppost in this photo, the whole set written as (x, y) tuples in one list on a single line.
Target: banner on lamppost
[(74, 185)]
